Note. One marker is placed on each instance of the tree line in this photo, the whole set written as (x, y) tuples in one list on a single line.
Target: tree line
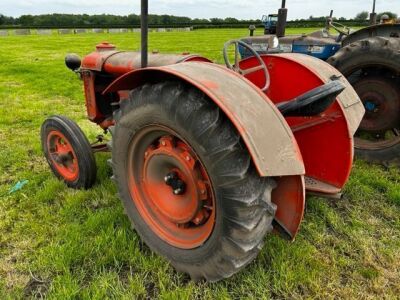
[(106, 20), (63, 20)]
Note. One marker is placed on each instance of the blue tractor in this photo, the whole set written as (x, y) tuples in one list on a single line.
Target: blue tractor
[(369, 58), (320, 44), (270, 23)]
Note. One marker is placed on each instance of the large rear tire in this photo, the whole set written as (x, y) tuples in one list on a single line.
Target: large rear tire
[(187, 182), (373, 67)]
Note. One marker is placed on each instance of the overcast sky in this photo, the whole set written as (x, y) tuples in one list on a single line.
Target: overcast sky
[(240, 9)]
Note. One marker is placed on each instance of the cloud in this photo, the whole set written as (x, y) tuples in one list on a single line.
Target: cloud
[(197, 8)]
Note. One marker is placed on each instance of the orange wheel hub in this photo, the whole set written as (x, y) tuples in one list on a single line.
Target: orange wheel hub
[(171, 189), (62, 156)]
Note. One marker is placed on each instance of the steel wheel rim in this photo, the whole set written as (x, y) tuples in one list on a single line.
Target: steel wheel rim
[(184, 220), (62, 156), (380, 127)]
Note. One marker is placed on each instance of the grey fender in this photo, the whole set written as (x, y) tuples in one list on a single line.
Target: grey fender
[(382, 30)]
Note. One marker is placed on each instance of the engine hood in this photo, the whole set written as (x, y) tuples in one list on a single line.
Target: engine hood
[(109, 60)]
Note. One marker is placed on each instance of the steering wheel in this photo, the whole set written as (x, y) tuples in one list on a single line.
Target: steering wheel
[(236, 67), (344, 30)]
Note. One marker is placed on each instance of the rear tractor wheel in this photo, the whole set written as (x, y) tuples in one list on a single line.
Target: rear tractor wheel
[(378, 137), (68, 152), (372, 66), (187, 182)]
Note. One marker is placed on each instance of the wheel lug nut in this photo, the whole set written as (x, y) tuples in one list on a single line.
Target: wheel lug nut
[(178, 191)]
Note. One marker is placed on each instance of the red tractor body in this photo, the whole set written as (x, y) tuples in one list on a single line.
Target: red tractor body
[(209, 158), (315, 153), (106, 64)]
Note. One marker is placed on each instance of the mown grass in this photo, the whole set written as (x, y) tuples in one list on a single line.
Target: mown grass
[(64, 244)]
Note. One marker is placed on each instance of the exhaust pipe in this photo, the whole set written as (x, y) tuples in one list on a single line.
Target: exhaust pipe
[(329, 21), (282, 18), (373, 15), (144, 24)]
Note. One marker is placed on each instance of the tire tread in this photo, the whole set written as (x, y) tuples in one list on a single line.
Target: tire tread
[(250, 215)]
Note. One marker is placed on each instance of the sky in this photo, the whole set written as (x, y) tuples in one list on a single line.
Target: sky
[(240, 9)]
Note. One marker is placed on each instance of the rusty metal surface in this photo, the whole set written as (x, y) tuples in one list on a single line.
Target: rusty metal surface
[(93, 112), (384, 30), (121, 62), (349, 100), (95, 60), (265, 132), (289, 197), (314, 185)]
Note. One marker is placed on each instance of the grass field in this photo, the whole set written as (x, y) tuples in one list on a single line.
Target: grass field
[(64, 244)]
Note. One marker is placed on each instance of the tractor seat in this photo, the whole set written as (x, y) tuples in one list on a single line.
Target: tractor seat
[(314, 102)]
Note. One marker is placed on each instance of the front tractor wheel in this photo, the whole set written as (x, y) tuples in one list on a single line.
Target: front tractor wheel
[(187, 182), (68, 152)]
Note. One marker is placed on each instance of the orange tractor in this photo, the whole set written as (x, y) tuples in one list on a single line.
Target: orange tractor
[(207, 158)]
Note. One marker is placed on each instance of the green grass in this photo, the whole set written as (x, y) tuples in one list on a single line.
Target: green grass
[(67, 244)]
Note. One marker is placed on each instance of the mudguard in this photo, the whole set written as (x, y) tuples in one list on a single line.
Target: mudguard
[(326, 140), (265, 132), (267, 135), (382, 30)]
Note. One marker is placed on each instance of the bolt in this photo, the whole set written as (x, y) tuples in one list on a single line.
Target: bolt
[(188, 158), (163, 143), (177, 191), (146, 154), (178, 186), (202, 192), (100, 138)]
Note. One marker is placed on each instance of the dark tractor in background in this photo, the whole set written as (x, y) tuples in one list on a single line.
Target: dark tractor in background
[(370, 59)]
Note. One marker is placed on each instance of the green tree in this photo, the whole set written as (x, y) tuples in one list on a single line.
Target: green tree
[(362, 16), (216, 21), (26, 20), (231, 20)]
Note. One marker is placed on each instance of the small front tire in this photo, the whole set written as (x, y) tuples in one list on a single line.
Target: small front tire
[(68, 152)]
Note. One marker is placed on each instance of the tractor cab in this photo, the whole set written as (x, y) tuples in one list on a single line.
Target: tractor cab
[(270, 23)]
